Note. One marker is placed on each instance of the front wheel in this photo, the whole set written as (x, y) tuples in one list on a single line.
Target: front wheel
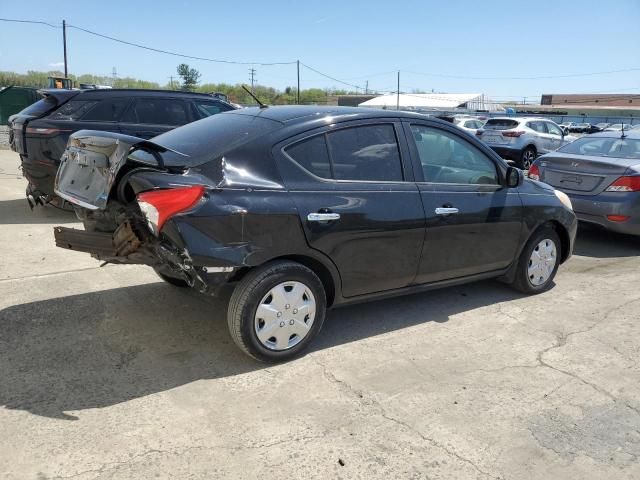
[(527, 157), (538, 262), (276, 310)]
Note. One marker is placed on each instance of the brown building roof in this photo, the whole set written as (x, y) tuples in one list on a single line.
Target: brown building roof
[(592, 99)]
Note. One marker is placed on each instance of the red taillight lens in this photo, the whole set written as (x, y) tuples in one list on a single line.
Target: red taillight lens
[(160, 205), (534, 172), (618, 218), (513, 134), (625, 184)]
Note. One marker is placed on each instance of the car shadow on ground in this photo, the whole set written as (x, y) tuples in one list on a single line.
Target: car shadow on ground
[(594, 241), (17, 211), (98, 349)]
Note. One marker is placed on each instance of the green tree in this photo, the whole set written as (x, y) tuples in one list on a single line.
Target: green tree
[(190, 77)]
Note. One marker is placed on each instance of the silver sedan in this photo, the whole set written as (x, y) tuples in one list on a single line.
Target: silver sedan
[(601, 175)]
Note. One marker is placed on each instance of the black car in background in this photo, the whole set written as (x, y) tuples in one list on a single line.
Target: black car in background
[(303, 208), (40, 132)]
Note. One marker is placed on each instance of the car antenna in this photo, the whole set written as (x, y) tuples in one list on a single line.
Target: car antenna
[(262, 105), (623, 135)]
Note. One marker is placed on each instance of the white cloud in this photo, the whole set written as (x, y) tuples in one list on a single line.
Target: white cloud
[(57, 64)]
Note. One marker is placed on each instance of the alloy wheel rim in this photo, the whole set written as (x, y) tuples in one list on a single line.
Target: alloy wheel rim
[(542, 262), (285, 315), (528, 158)]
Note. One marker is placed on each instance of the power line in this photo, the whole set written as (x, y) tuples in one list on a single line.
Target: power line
[(13, 20), (330, 77), (175, 54)]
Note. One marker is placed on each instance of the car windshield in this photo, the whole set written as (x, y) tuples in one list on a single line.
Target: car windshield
[(604, 147)]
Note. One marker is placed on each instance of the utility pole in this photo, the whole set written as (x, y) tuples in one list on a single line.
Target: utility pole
[(366, 87), (298, 91), (171, 82), (398, 96), (64, 42), (114, 75), (252, 73)]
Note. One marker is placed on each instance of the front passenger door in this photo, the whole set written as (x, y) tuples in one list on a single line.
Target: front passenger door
[(473, 221), (556, 136)]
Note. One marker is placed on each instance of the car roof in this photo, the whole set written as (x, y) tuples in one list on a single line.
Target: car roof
[(134, 92), (292, 114)]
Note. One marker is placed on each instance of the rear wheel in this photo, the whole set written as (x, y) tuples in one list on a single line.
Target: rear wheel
[(527, 157), (538, 262), (276, 311)]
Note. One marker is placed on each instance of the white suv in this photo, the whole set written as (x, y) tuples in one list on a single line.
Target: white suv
[(522, 139)]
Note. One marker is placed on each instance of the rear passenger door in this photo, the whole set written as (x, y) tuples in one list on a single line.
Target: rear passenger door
[(151, 116), (354, 191)]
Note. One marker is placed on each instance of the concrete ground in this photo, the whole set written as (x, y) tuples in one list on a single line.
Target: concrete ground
[(108, 373)]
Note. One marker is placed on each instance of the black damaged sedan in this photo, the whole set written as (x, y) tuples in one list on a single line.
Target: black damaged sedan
[(306, 208)]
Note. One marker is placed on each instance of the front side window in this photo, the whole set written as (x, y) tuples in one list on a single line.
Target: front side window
[(447, 158), (553, 129), (368, 153), (158, 111), (365, 153)]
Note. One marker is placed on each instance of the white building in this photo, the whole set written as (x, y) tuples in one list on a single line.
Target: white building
[(434, 102)]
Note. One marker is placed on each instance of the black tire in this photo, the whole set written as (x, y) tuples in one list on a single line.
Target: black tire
[(522, 281), (247, 296), (176, 282), (527, 157)]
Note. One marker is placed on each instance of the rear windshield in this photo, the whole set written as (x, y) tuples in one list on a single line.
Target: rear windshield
[(40, 107), (604, 147), (500, 124), (211, 137)]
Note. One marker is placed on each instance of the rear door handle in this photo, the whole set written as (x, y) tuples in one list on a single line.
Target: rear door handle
[(446, 210), (323, 217)]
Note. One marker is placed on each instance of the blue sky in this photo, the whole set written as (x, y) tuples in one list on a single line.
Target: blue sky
[(351, 41)]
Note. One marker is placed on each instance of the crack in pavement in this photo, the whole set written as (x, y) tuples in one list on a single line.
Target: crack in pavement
[(384, 414)]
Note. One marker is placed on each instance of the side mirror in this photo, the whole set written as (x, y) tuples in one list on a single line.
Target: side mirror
[(514, 177)]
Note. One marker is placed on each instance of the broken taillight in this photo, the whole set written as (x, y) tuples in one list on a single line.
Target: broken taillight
[(534, 172), (160, 205)]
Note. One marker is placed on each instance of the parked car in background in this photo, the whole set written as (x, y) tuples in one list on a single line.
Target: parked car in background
[(602, 126), (522, 139), (601, 175), (590, 128), (617, 127), (40, 132), (303, 207), (468, 124)]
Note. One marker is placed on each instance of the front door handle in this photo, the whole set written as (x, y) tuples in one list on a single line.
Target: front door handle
[(446, 210), (323, 217)]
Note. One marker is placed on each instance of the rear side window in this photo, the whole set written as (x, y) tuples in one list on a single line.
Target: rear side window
[(500, 124), (73, 110), (108, 110), (158, 111), (537, 126), (312, 154), (366, 153)]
